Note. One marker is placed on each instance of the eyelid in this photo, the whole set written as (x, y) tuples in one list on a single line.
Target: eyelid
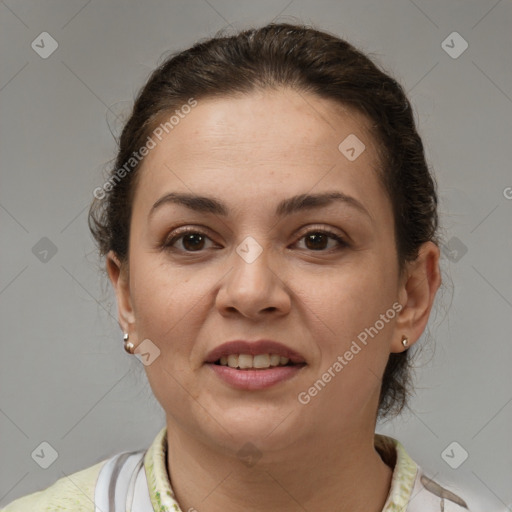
[(323, 228), (177, 233), (204, 230)]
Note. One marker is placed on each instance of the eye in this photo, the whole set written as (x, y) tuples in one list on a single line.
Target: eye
[(192, 240), (316, 240)]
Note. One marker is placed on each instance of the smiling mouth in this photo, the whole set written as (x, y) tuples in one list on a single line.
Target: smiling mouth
[(256, 362)]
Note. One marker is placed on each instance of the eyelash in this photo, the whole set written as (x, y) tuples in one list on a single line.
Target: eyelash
[(167, 245)]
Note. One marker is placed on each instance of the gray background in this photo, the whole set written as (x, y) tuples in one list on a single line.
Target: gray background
[(65, 378)]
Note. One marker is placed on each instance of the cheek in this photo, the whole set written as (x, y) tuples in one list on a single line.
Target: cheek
[(353, 297), (161, 294), (354, 323), (356, 316), (167, 308)]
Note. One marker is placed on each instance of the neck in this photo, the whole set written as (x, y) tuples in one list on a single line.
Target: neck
[(344, 475)]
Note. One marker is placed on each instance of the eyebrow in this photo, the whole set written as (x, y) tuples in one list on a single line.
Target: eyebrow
[(205, 204)]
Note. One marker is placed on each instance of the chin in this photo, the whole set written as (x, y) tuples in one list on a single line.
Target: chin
[(266, 425)]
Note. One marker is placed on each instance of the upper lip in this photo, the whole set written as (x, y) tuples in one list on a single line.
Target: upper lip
[(253, 348)]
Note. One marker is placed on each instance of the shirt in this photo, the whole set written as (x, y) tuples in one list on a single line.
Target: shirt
[(411, 490)]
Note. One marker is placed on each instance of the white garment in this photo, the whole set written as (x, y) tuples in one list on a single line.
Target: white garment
[(122, 485)]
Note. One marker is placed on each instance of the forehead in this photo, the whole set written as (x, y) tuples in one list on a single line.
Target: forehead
[(260, 145), (273, 121)]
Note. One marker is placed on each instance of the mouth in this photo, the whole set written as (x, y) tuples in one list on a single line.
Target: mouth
[(256, 362), (254, 365), (259, 354)]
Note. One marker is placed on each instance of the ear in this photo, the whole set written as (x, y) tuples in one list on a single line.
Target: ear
[(417, 292), (118, 274)]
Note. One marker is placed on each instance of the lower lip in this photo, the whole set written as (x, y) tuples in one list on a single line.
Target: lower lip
[(252, 380)]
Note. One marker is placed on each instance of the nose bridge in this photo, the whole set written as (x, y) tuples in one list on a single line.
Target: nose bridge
[(252, 285), (251, 266)]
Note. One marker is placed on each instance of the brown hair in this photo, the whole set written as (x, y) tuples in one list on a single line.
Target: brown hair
[(306, 60)]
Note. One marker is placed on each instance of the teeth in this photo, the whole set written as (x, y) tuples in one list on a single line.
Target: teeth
[(245, 361), (261, 361), (233, 361), (274, 359)]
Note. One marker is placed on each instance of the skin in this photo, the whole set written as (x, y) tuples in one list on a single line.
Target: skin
[(251, 152)]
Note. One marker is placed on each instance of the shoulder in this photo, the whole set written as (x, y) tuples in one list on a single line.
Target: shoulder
[(73, 492)]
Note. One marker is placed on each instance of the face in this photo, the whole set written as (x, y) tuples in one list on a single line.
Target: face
[(319, 277)]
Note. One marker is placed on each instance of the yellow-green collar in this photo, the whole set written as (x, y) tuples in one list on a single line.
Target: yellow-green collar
[(391, 451)]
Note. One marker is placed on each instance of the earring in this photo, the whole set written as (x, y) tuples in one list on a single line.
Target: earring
[(405, 342), (128, 346)]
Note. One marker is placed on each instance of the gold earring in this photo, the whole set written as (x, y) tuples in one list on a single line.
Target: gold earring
[(128, 346), (405, 341)]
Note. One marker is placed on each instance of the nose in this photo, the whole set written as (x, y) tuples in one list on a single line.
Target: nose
[(253, 288)]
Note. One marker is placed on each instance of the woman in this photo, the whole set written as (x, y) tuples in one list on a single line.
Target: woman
[(269, 229)]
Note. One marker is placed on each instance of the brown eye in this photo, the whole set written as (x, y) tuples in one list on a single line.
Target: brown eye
[(191, 241), (318, 240)]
